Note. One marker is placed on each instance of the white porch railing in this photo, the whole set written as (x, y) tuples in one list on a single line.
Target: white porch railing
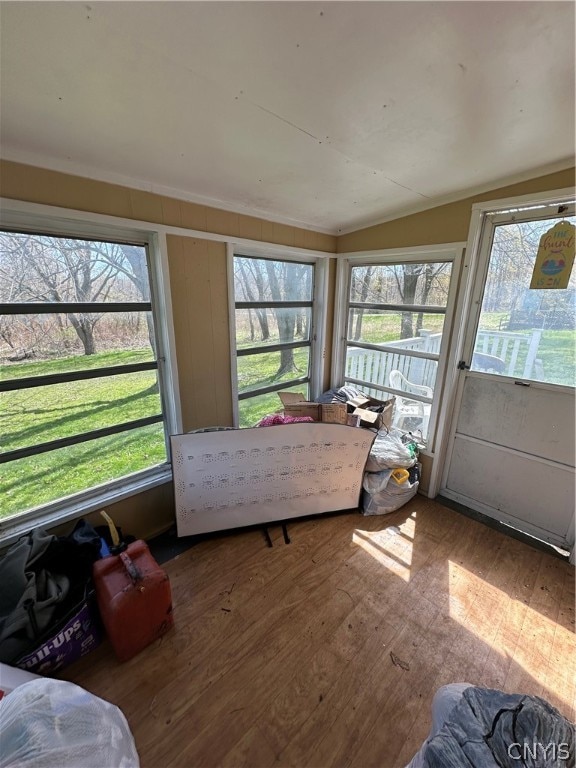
[(510, 354), (517, 351), (375, 366)]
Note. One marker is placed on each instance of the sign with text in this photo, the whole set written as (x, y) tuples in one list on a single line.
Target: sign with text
[(555, 257)]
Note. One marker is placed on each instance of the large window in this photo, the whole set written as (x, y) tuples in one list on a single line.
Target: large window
[(80, 397), (394, 330), (274, 336), (524, 332)]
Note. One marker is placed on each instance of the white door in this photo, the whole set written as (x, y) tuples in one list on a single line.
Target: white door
[(511, 454)]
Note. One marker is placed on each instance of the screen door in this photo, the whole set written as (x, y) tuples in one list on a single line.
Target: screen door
[(512, 446)]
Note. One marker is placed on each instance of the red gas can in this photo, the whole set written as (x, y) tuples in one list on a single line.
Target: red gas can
[(134, 599)]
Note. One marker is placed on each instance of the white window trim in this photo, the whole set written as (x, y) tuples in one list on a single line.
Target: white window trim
[(319, 306), (17, 215), (452, 252)]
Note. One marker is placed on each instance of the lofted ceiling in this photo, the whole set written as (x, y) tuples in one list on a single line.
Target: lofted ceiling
[(330, 115)]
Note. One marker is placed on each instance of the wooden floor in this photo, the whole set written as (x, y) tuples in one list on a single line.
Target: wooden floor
[(284, 656)]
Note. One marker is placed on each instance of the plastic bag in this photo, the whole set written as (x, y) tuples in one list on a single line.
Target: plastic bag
[(392, 496), (376, 482), (389, 451), (47, 723)]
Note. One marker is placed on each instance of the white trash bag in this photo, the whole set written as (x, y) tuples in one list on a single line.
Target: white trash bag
[(391, 497), (376, 482), (54, 724), (388, 452)]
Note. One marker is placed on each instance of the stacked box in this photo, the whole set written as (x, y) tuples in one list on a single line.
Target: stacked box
[(354, 412), (295, 404)]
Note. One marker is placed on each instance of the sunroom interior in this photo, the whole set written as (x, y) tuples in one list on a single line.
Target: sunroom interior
[(203, 331), (199, 287)]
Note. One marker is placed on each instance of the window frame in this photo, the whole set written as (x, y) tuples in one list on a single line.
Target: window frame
[(317, 306), (447, 252), (523, 209), (17, 216)]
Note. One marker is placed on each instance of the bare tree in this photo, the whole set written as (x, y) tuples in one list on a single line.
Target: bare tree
[(38, 268), (266, 280), (362, 291), (415, 283), (138, 275), (407, 277), (252, 282), (431, 272), (283, 278)]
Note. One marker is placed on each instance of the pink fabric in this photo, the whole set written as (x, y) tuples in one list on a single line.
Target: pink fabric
[(278, 418)]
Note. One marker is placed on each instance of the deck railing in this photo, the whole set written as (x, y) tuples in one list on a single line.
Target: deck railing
[(511, 354), (517, 351), (375, 365)]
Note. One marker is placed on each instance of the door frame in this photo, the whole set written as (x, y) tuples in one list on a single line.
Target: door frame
[(468, 308)]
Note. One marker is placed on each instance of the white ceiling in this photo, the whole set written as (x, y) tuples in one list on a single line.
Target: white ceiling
[(331, 115)]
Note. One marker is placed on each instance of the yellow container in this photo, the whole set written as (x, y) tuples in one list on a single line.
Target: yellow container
[(400, 475)]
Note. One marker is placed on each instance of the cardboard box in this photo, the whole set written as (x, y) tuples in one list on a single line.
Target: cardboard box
[(296, 405), (78, 633), (372, 419), (358, 402), (334, 413), (292, 398), (304, 408)]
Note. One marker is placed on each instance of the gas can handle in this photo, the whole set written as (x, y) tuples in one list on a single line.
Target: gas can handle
[(134, 573)]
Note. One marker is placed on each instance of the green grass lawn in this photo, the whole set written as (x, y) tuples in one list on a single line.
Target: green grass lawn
[(35, 480), (75, 363), (37, 415), (257, 371), (378, 328), (557, 351), (32, 416)]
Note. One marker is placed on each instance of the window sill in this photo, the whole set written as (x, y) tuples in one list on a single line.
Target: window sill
[(56, 513)]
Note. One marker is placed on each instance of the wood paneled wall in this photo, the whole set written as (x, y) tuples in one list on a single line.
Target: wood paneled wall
[(38, 185), (201, 327), (144, 516)]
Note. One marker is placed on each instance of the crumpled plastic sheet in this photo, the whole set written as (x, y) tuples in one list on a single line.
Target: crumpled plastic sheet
[(48, 723), (389, 452)]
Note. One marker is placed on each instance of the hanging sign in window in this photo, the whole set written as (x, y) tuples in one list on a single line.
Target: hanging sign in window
[(555, 257)]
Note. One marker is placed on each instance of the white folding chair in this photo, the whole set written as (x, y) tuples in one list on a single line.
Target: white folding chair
[(410, 414)]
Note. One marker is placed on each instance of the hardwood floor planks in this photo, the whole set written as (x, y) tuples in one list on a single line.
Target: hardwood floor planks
[(282, 656)]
